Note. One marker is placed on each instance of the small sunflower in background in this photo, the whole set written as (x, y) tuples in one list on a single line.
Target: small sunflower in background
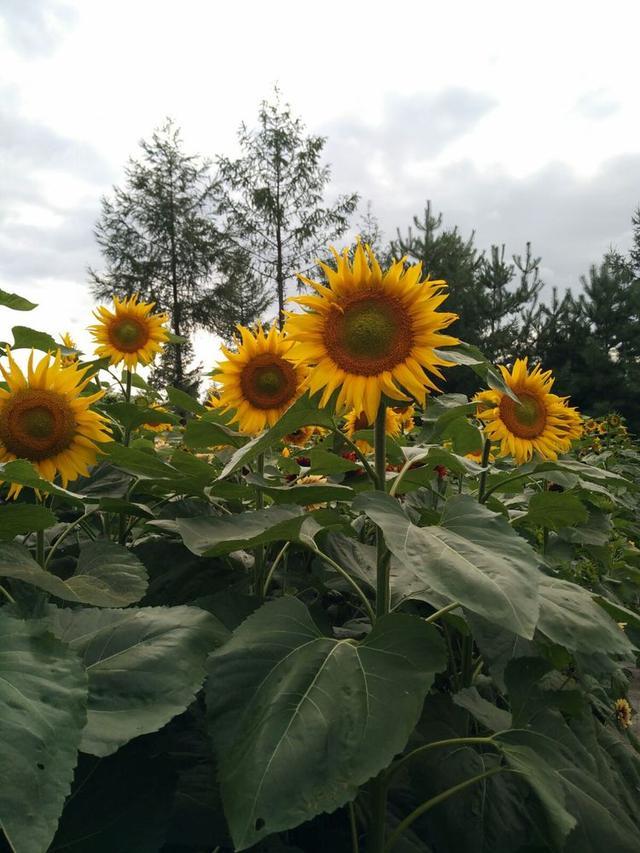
[(623, 713), (301, 437), (353, 423), (69, 343), (131, 332), (369, 332), (258, 382), (602, 428), (44, 418), (540, 423), (405, 416), (158, 427)]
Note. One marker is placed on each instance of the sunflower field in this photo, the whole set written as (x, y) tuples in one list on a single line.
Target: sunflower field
[(330, 608)]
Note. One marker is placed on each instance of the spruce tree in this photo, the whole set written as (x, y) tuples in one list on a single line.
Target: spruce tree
[(271, 199), (158, 239)]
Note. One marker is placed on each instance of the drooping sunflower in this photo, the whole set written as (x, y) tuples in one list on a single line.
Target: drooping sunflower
[(130, 333), (301, 437), (158, 427), (353, 423), (44, 418), (370, 332), (623, 713), (259, 381), (540, 423)]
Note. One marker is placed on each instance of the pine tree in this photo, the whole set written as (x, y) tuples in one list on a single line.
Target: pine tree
[(271, 199), (158, 239)]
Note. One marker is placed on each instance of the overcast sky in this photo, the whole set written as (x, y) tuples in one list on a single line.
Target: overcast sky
[(519, 120)]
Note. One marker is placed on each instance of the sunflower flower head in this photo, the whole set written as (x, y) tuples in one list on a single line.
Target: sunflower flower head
[(131, 332), (623, 713), (69, 343), (44, 418), (368, 332), (541, 422), (158, 427), (354, 422), (258, 381)]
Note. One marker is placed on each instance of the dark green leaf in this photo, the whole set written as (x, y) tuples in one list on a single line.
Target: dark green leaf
[(570, 617), (325, 462), (18, 303), (131, 416), (202, 433), (305, 494), (43, 699), (25, 338), (22, 472), (145, 665), (473, 557), (555, 510), (300, 720), (304, 412), (24, 518), (222, 534), (485, 712), (182, 400), (107, 575), (138, 462)]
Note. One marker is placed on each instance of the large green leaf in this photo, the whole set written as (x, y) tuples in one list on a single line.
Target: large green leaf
[(300, 720), (139, 462), (570, 795), (24, 518), (26, 338), (18, 303), (304, 412), (473, 557), (555, 510), (571, 617), (131, 415), (43, 699), (221, 534), (107, 574), (203, 433), (145, 665), (185, 401), (302, 494), (21, 471)]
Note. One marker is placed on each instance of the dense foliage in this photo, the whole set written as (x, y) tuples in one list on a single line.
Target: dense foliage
[(283, 643)]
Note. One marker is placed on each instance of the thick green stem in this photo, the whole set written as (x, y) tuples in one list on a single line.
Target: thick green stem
[(437, 744), (486, 450), (442, 611), (259, 551), (355, 846), (122, 523), (40, 548), (363, 459), (7, 594), (377, 827), (434, 801)]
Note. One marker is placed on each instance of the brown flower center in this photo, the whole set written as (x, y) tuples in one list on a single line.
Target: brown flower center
[(37, 424), (526, 419), (128, 334), (361, 422), (268, 382), (371, 334)]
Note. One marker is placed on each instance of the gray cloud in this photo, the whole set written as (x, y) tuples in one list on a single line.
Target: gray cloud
[(62, 248), (34, 26), (413, 127), (596, 105), (570, 220)]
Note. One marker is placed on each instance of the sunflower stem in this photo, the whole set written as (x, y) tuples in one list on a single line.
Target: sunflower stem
[(486, 450), (40, 548), (377, 829), (434, 801), (258, 581), (123, 521)]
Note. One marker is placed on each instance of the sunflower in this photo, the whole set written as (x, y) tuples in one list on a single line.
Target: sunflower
[(258, 382), (623, 713), (615, 420), (405, 415), (312, 480), (158, 427), (354, 423), (370, 332), (69, 343), (541, 422), (591, 425), (301, 437), (602, 428), (130, 333), (44, 419)]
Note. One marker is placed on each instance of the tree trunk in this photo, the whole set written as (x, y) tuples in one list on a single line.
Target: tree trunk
[(279, 271), (175, 311)]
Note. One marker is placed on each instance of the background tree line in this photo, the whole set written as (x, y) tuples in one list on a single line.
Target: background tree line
[(219, 243)]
